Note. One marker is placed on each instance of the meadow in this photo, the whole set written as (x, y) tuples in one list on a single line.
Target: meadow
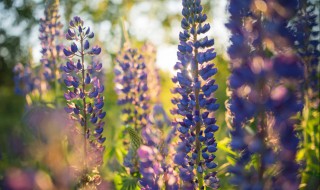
[(160, 94)]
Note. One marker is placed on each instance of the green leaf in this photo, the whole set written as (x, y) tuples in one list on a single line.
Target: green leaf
[(126, 182), (136, 139)]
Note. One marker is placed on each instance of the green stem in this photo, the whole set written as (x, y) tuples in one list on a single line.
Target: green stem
[(56, 74), (195, 73), (57, 87), (84, 105), (125, 36)]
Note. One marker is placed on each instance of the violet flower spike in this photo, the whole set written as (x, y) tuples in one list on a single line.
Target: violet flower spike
[(261, 87), (24, 79), (195, 103), (132, 89), (84, 85), (50, 38)]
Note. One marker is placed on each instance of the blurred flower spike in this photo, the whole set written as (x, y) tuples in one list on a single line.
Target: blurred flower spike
[(264, 94), (50, 37)]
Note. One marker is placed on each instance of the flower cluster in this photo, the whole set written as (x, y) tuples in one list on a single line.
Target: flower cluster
[(195, 102), (149, 53), (284, 103), (132, 89), (50, 32), (149, 144), (152, 169), (85, 91), (261, 87), (241, 108), (156, 169), (25, 80)]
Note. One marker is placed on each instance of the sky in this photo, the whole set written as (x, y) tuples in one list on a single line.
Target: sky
[(143, 25), (152, 30)]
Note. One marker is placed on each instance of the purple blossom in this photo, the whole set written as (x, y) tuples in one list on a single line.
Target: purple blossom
[(149, 146), (50, 38), (156, 169), (149, 53), (29, 79), (263, 96), (196, 104), (85, 94), (131, 87), (150, 167), (24, 79)]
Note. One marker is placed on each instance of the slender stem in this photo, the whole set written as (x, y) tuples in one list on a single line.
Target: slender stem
[(55, 70), (261, 116), (125, 36), (56, 86), (84, 104), (195, 73)]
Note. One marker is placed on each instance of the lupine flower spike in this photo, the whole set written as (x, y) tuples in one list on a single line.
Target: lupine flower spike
[(50, 33), (131, 87), (85, 93), (28, 82), (25, 80), (30, 79), (263, 94), (149, 53), (195, 102), (156, 167)]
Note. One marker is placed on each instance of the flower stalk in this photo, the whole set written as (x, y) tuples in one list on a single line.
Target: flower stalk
[(85, 94)]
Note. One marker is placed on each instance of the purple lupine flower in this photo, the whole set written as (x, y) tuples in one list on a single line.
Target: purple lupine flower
[(132, 89), (289, 97), (27, 78), (150, 167), (85, 93), (284, 103), (156, 168), (148, 153), (153, 168), (24, 79), (149, 53), (195, 103), (157, 172), (262, 99), (50, 35)]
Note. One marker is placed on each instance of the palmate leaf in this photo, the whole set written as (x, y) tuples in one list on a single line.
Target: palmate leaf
[(126, 182), (135, 138), (130, 183)]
